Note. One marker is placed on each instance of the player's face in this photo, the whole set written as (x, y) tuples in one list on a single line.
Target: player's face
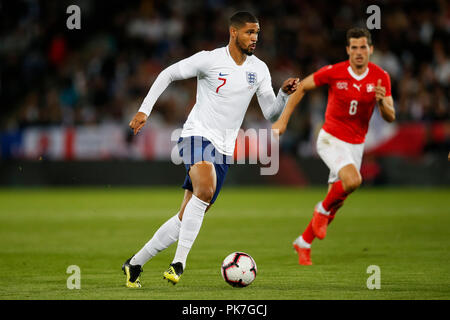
[(359, 52), (246, 38)]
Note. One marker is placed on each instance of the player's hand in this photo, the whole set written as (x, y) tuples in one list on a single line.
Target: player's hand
[(279, 127), (290, 85), (138, 122), (380, 92)]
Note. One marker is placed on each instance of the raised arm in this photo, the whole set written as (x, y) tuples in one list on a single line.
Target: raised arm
[(295, 98), (385, 104), (163, 80), (272, 106), (184, 69)]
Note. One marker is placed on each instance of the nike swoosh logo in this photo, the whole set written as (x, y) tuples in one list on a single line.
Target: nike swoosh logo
[(223, 74)]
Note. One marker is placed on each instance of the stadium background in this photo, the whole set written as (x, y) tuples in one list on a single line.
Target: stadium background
[(68, 95)]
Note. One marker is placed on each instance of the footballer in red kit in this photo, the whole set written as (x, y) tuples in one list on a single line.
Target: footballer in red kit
[(355, 88), (351, 99)]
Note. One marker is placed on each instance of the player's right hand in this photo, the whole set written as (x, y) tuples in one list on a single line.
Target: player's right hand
[(138, 122), (290, 85)]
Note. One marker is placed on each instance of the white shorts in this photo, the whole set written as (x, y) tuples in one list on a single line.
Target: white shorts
[(337, 153)]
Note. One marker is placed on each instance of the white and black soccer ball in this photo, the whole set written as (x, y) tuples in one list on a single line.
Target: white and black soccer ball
[(239, 269)]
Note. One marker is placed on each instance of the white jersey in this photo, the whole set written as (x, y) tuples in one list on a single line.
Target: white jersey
[(224, 92)]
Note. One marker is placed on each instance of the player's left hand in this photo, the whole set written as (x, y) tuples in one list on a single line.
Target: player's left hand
[(380, 92), (290, 85)]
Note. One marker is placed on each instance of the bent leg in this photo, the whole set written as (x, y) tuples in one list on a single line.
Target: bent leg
[(350, 177), (203, 179), (167, 234), (343, 160), (350, 180), (187, 197)]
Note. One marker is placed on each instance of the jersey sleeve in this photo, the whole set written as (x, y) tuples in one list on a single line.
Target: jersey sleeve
[(270, 105), (265, 86), (195, 65), (323, 75), (184, 69)]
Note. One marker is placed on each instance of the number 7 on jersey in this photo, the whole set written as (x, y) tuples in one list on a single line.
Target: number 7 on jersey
[(224, 81)]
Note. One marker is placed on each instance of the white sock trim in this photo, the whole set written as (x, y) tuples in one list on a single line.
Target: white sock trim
[(302, 243), (190, 227), (322, 210), (199, 202)]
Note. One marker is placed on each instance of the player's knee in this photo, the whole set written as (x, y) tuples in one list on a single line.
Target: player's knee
[(205, 193), (351, 184)]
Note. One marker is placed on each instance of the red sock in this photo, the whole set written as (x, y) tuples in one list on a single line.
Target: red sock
[(308, 234), (334, 196), (333, 211), (333, 201)]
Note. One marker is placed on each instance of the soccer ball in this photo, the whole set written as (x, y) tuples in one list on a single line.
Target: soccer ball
[(239, 269)]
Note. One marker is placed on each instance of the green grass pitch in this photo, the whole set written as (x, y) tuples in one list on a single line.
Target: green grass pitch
[(403, 231)]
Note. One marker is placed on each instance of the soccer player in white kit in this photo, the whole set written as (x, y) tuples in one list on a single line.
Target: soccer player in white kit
[(227, 79)]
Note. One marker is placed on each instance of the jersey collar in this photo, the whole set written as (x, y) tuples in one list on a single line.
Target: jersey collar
[(227, 49), (355, 76)]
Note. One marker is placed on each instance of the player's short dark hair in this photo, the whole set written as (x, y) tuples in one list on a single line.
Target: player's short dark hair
[(359, 33), (239, 19)]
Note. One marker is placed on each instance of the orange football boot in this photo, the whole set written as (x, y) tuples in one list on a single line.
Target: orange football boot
[(304, 255), (319, 224)]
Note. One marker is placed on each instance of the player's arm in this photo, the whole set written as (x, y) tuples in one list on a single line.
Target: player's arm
[(163, 80), (385, 104), (272, 106), (184, 69), (295, 98)]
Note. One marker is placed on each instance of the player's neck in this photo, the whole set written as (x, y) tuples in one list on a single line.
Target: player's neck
[(358, 70), (238, 56)]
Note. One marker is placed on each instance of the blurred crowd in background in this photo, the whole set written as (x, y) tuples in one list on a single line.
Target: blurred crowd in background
[(51, 75)]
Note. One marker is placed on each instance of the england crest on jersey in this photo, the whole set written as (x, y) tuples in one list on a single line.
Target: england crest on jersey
[(251, 78)]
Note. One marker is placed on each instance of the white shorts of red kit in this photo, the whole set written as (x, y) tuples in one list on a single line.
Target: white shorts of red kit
[(337, 153)]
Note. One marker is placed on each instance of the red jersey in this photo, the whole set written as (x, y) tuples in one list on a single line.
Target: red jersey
[(351, 99)]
